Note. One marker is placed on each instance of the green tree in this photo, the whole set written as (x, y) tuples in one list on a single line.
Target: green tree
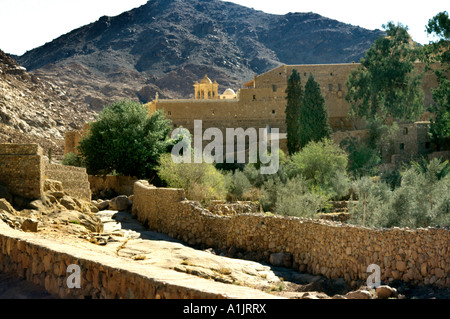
[(314, 124), (437, 56), (294, 96), (125, 139), (386, 84), (363, 160)]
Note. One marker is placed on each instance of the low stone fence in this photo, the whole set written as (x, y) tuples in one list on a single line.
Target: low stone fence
[(332, 249), (74, 179), (46, 263)]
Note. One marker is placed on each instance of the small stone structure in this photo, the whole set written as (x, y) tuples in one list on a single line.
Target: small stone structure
[(335, 250), (23, 171), (74, 179)]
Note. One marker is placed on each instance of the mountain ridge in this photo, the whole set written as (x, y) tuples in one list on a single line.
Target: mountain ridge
[(165, 46)]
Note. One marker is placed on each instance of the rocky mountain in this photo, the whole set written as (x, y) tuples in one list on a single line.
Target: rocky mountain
[(166, 45), (33, 110)]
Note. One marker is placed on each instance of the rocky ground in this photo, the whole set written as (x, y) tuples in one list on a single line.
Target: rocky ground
[(111, 229)]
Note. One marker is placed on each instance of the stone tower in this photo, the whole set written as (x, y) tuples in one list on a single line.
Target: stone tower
[(206, 89)]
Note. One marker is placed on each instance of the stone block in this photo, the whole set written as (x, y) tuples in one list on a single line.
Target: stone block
[(120, 203), (281, 259), (30, 225)]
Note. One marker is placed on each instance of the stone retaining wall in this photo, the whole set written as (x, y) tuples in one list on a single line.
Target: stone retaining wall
[(74, 179), (332, 249), (45, 263)]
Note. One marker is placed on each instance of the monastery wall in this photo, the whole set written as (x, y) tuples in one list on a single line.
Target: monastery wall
[(262, 102)]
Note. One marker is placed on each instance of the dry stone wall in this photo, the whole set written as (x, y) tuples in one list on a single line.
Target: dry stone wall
[(74, 179), (21, 169), (335, 250)]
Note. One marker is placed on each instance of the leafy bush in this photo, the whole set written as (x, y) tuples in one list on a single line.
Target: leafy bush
[(295, 198), (269, 189), (201, 181), (421, 200), (323, 164), (72, 159), (239, 185), (372, 206)]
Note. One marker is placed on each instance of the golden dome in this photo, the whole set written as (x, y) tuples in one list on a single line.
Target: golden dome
[(206, 80)]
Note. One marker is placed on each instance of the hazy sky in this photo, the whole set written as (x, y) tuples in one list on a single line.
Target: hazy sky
[(26, 24)]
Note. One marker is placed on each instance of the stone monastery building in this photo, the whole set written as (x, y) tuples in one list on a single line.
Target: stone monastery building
[(261, 103)]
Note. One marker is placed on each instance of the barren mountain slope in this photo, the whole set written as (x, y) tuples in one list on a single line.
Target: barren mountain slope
[(166, 45), (34, 110)]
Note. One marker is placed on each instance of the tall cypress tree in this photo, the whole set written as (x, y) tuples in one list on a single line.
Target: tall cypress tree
[(314, 125), (294, 96)]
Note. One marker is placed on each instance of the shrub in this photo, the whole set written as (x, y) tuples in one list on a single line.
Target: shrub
[(295, 198), (72, 159), (421, 200), (372, 204), (201, 181), (239, 185), (322, 164)]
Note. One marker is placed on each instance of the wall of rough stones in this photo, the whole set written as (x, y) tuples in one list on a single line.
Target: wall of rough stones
[(21, 169), (335, 250), (45, 263), (74, 179)]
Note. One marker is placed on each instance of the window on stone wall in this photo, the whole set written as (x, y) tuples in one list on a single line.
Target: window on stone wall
[(402, 146), (273, 111), (339, 87), (330, 87), (254, 97), (274, 88), (169, 113), (405, 131)]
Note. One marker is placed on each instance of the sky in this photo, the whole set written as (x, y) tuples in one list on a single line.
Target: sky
[(27, 24)]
